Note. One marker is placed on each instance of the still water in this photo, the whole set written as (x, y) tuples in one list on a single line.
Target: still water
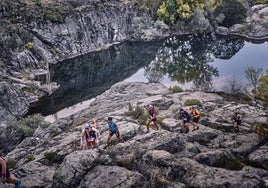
[(230, 69), (201, 63)]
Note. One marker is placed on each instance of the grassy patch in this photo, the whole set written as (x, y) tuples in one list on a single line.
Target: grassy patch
[(28, 125), (11, 163), (192, 102), (176, 89), (30, 158), (141, 115), (51, 156), (230, 164)]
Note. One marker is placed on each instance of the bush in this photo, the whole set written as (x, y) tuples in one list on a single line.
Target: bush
[(261, 2), (192, 102), (27, 126), (51, 156), (230, 164), (261, 129), (11, 163), (30, 158), (140, 114), (38, 2), (262, 89), (54, 18), (29, 45), (176, 89), (135, 112)]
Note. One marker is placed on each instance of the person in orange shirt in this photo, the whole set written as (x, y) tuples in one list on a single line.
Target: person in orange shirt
[(196, 116)]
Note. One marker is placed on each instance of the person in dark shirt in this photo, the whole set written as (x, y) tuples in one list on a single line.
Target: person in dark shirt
[(236, 121), (185, 116)]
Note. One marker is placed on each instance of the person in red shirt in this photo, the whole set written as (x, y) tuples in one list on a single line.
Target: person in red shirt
[(6, 177), (90, 135), (152, 112)]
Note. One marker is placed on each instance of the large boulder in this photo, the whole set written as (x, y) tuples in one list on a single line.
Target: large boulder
[(13, 105), (259, 158)]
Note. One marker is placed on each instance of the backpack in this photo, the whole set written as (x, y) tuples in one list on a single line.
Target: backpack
[(153, 111), (195, 112), (90, 134), (156, 111)]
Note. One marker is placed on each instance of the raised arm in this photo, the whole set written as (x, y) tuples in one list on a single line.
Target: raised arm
[(82, 137), (95, 124)]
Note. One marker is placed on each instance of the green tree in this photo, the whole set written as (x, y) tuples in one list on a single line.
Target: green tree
[(151, 6), (253, 75), (171, 11), (167, 11), (234, 12), (186, 8), (162, 13), (186, 60), (263, 88)]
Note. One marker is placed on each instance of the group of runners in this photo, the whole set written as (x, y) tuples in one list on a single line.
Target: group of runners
[(90, 134)]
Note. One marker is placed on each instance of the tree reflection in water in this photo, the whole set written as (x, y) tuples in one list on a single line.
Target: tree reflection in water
[(184, 59), (189, 59)]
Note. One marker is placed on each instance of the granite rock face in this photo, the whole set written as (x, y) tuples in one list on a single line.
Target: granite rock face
[(213, 156)]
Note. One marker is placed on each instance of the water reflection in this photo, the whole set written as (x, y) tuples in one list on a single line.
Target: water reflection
[(188, 59), (87, 76), (183, 59)]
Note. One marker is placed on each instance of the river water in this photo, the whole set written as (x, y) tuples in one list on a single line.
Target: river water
[(203, 63)]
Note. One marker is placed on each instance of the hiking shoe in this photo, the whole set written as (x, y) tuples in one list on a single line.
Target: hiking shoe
[(197, 128), (193, 130), (147, 131), (187, 130), (18, 184)]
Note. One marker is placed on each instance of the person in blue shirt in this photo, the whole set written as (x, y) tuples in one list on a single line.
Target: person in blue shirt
[(113, 129)]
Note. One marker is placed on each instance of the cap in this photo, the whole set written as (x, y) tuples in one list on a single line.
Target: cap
[(150, 106), (110, 118), (86, 125)]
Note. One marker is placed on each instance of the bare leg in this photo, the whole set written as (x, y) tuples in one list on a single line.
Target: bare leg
[(148, 123), (156, 126), (12, 179), (186, 126), (194, 125), (108, 139), (118, 136)]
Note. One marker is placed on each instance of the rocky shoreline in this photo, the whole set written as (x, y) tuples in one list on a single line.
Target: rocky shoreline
[(52, 42), (210, 157), (164, 158)]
